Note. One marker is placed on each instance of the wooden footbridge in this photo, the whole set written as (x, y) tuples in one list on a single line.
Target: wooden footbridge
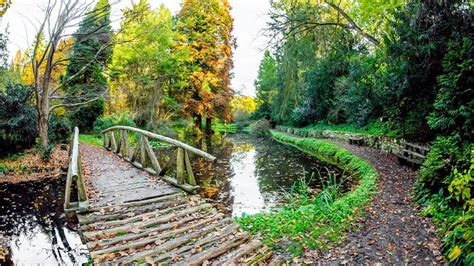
[(142, 214)]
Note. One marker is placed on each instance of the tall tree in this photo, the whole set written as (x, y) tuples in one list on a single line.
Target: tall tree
[(91, 48), (207, 27), (50, 34), (146, 66), (265, 85)]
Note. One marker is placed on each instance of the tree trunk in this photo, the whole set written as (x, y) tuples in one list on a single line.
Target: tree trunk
[(43, 128), (198, 121), (209, 125), (43, 119)]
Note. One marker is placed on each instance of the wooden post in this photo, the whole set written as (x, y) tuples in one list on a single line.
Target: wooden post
[(118, 144), (189, 170), (113, 143), (143, 159), (136, 152), (151, 155), (125, 145), (104, 140), (180, 166), (67, 196)]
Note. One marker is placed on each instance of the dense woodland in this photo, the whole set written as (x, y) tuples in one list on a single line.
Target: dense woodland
[(403, 69)]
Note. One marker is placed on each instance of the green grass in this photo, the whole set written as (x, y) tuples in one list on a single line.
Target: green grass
[(221, 127), (91, 140), (320, 223)]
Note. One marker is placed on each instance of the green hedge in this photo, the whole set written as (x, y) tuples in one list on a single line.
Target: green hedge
[(318, 224)]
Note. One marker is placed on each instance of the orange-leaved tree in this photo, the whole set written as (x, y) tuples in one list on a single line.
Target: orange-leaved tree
[(207, 27)]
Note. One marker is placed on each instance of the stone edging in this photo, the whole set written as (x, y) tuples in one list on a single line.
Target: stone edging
[(385, 144)]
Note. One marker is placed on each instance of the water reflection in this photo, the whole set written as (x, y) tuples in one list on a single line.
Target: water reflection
[(32, 225), (251, 175)]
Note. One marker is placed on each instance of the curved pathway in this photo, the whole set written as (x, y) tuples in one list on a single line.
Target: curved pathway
[(392, 231)]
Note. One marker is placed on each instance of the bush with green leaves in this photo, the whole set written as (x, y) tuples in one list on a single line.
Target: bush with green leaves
[(444, 189), (17, 119), (59, 129), (104, 122)]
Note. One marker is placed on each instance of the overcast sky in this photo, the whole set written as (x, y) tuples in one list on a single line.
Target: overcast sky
[(249, 19)]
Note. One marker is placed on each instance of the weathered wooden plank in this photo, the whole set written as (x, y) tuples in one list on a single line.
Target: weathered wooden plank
[(107, 209), (232, 257), (169, 245), (199, 258), (135, 218), (211, 239), (144, 224), (165, 235), (120, 213), (94, 245)]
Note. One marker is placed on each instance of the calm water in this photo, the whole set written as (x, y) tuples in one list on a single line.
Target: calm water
[(252, 175), (32, 224)]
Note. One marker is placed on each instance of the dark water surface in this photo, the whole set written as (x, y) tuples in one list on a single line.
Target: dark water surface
[(32, 224), (252, 175)]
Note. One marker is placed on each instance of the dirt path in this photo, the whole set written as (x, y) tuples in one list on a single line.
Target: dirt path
[(392, 232)]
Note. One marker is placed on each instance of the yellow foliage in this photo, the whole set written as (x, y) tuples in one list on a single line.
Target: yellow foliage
[(455, 253), (22, 63), (245, 104)]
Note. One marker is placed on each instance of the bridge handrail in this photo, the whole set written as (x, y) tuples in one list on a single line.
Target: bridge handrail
[(164, 139), (143, 156), (74, 174)]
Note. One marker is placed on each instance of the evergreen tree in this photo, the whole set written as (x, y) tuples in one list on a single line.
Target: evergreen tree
[(265, 85), (90, 53)]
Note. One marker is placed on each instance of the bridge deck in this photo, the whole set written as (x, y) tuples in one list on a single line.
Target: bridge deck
[(135, 217)]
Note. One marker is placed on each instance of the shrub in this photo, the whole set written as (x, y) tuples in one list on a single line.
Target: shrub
[(59, 129), (260, 128), (444, 188), (104, 122), (85, 116), (17, 119)]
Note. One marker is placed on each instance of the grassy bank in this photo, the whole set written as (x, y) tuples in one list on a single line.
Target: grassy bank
[(91, 140), (322, 222)]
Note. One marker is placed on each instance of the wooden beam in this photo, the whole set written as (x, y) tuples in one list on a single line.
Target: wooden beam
[(180, 166), (113, 143), (164, 139), (151, 155), (189, 169)]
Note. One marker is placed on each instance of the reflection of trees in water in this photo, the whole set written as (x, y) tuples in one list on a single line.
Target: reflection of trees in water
[(36, 206)]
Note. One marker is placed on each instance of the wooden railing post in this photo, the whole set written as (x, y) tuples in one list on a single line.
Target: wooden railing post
[(74, 173), (113, 144)]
